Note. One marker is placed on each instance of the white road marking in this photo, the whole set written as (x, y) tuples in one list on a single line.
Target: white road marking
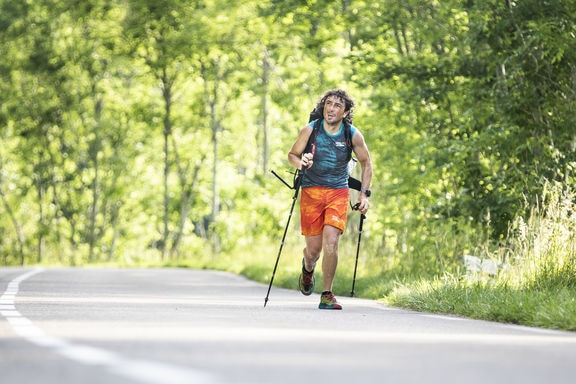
[(144, 371)]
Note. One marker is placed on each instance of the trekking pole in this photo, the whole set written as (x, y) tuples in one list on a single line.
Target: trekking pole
[(362, 217), (281, 179), (294, 198)]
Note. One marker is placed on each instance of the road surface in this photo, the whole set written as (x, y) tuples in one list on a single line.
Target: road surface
[(179, 326)]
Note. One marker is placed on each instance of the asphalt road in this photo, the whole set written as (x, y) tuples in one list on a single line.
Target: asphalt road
[(172, 326)]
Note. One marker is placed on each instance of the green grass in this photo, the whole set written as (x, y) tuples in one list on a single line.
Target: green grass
[(536, 285), (548, 307)]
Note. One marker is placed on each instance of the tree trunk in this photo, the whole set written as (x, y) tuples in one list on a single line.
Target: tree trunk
[(95, 183), (265, 76), (17, 228), (167, 94)]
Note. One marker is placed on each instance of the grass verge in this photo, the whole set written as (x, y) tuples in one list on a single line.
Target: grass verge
[(536, 283)]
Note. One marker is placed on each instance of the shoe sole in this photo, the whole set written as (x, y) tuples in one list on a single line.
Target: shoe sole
[(331, 306)]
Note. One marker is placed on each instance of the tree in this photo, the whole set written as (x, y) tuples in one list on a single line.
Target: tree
[(162, 38)]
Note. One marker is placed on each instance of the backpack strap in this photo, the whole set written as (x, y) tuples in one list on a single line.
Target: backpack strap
[(317, 117), (312, 138), (352, 182), (316, 128), (348, 138)]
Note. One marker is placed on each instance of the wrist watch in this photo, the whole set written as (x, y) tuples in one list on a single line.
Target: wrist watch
[(367, 192)]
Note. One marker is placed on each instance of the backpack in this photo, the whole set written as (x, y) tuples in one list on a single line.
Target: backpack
[(317, 117)]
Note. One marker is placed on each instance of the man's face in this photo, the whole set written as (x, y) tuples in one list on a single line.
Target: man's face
[(334, 110)]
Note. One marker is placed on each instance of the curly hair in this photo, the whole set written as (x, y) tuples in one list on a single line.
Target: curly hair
[(342, 95)]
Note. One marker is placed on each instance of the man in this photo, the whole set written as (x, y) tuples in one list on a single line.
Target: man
[(325, 196)]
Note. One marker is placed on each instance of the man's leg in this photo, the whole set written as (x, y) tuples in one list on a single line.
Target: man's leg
[(330, 238), (307, 282), (312, 251)]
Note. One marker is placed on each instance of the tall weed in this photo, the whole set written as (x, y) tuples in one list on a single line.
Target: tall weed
[(536, 285), (541, 249)]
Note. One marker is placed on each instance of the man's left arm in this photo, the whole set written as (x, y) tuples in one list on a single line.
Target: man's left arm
[(363, 156)]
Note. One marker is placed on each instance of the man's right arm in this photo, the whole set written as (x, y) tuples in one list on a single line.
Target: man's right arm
[(295, 155)]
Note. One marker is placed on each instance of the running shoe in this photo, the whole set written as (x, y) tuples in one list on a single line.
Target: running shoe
[(306, 282), (328, 301)]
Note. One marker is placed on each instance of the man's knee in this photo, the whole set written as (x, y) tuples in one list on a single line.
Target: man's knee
[(312, 252)]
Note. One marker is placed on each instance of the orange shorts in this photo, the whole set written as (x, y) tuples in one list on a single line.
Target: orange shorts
[(321, 206)]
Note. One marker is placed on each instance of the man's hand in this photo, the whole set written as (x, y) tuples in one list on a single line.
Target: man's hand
[(306, 161), (362, 204)]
